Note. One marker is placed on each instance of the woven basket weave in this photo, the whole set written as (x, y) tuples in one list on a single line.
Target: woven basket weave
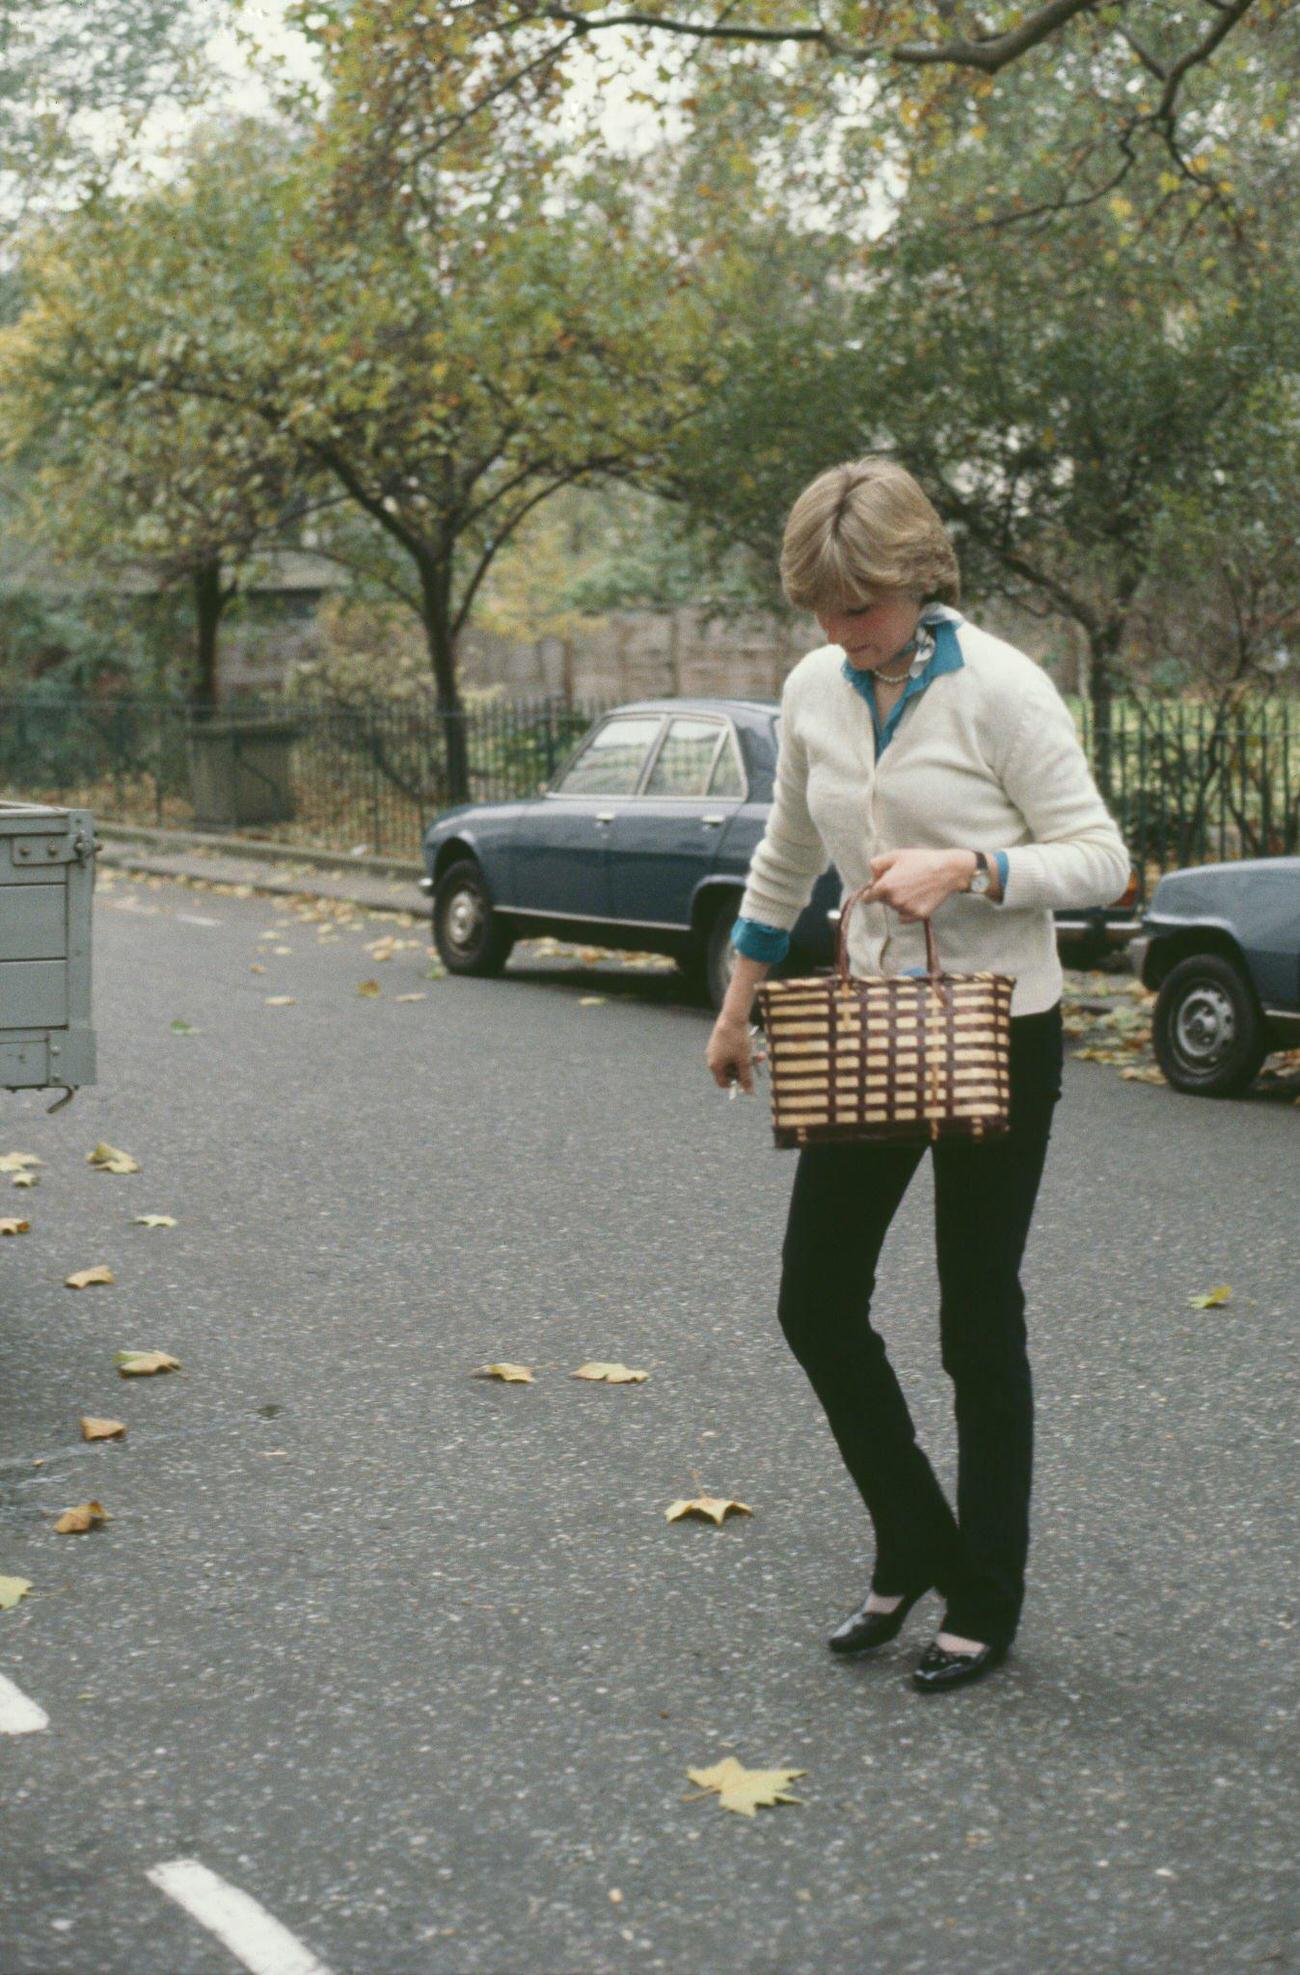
[(893, 1056)]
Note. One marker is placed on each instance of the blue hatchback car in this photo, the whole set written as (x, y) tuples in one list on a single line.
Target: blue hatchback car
[(642, 841)]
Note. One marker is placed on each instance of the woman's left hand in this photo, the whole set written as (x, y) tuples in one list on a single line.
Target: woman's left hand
[(914, 882)]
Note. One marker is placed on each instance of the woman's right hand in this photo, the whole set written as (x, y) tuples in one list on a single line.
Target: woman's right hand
[(729, 1054)]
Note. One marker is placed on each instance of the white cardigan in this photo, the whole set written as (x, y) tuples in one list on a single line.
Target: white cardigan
[(986, 758)]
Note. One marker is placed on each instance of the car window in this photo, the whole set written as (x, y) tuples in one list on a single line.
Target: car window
[(612, 760), (726, 778), (683, 762)]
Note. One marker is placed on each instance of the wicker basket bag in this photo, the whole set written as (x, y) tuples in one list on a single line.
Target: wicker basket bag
[(892, 1056)]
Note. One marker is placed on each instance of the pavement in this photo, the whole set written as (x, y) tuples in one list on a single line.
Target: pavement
[(409, 1663)]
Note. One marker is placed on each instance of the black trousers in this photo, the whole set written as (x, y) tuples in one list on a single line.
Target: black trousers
[(842, 1203)]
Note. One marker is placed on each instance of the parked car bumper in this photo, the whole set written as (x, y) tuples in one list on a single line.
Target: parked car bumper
[(1121, 930)]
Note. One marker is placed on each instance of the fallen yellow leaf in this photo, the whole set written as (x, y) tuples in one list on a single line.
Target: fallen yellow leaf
[(75, 1522), (155, 1220), (280, 1000), (93, 1429), (742, 1789), (111, 1160), (11, 1590), (85, 1277), (412, 997), (612, 1374), (256, 967), (716, 1507), (25, 1179), (1212, 1297), (143, 1364), (369, 987), (590, 1000), (13, 1162), (1143, 1073), (513, 1374), (11, 1226)]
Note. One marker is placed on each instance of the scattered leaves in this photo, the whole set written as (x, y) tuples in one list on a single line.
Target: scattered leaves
[(25, 1179), (93, 1429), (9, 1225), (75, 1522), (512, 1374), (369, 988), (611, 1374), (1143, 1073), (1212, 1298), (11, 1590), (143, 1364), (256, 967), (155, 1220), (742, 1789), (13, 1162), (83, 1278), (715, 1507)]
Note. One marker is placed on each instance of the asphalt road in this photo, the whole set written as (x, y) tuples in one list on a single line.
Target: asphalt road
[(414, 1659)]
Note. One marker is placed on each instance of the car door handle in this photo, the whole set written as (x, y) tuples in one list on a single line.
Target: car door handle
[(712, 821)]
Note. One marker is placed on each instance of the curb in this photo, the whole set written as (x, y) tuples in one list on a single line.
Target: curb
[(379, 884), (256, 847)]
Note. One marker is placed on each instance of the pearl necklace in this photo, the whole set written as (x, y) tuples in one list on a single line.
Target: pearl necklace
[(887, 679)]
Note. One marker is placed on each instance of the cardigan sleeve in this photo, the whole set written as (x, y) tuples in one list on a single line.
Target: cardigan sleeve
[(790, 856), (1077, 856)]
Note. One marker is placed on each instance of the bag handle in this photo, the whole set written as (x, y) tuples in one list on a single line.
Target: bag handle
[(933, 968)]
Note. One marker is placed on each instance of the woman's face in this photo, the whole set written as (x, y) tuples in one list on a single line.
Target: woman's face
[(870, 637)]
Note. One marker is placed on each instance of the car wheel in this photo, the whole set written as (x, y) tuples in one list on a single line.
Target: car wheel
[(470, 936), (1207, 1030)]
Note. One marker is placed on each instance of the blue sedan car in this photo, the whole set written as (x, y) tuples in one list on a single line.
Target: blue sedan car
[(1221, 945), (642, 841)]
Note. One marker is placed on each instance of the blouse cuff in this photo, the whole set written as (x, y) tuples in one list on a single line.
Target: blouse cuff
[(759, 941)]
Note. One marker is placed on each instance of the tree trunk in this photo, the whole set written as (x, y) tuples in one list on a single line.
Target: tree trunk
[(1101, 701), (435, 615)]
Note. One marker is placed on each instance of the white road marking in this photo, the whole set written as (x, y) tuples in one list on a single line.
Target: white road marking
[(239, 1923), (18, 1715)]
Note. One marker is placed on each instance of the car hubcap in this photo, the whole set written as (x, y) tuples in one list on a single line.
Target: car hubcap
[(464, 918), (1205, 1026)]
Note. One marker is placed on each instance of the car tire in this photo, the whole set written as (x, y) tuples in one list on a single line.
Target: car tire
[(720, 954), (1207, 1029), (470, 935)]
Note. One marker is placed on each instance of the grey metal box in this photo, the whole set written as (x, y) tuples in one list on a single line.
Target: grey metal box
[(47, 881)]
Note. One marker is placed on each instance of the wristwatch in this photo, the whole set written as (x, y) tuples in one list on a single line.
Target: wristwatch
[(981, 877)]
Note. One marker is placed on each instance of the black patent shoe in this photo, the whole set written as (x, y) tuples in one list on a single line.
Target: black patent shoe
[(938, 1669), (866, 1629)]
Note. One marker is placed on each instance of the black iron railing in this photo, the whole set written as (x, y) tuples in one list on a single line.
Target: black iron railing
[(1187, 782)]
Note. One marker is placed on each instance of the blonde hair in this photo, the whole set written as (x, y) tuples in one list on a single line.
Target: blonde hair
[(860, 528)]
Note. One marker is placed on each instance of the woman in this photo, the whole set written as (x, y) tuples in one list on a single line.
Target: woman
[(938, 764)]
